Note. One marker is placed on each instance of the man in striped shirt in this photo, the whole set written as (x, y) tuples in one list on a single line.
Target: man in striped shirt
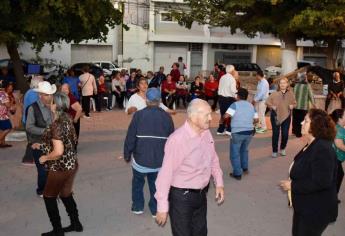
[(145, 140)]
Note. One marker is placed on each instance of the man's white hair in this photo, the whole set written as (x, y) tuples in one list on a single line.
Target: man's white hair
[(194, 106), (35, 81), (229, 68)]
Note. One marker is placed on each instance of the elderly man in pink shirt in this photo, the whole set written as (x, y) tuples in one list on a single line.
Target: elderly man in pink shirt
[(182, 183)]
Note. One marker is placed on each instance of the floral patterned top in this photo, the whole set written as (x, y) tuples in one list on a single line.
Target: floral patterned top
[(61, 129), (3, 109)]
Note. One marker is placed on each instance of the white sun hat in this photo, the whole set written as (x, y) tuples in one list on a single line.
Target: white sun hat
[(46, 88)]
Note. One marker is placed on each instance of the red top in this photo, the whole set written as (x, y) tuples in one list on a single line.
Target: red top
[(175, 74), (168, 86), (101, 88), (72, 100), (220, 74), (210, 88)]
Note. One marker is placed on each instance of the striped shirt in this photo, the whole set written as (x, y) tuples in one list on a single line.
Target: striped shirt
[(304, 96)]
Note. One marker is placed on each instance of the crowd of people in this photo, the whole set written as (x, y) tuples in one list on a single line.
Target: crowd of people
[(179, 178)]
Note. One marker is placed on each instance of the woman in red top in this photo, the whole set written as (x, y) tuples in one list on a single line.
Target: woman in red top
[(175, 72), (168, 91), (75, 110), (101, 93), (211, 91)]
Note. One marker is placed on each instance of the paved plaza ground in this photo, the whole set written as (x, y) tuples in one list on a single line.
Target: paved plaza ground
[(254, 206)]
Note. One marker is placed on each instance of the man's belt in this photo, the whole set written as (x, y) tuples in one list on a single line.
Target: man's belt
[(190, 189)]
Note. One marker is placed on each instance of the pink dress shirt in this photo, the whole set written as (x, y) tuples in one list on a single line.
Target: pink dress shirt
[(189, 161)]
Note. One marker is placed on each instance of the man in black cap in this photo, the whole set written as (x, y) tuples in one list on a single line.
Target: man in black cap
[(146, 137)]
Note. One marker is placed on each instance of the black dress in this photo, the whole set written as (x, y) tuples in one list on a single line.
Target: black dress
[(313, 188)]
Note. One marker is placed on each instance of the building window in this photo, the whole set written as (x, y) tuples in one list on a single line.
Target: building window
[(167, 17), (230, 46)]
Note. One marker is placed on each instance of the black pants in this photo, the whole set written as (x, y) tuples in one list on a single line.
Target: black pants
[(28, 156), (284, 127), (183, 97), (340, 175), (302, 228), (297, 118), (187, 211), (224, 104), (120, 98), (86, 104), (329, 98), (77, 128), (215, 101), (168, 100)]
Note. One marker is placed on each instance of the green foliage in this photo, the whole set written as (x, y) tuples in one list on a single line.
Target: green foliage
[(52, 21), (299, 19)]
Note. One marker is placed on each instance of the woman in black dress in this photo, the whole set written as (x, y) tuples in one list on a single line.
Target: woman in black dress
[(313, 177)]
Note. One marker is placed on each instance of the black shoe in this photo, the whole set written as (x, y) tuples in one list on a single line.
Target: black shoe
[(71, 208), (245, 171), (338, 201), (237, 177)]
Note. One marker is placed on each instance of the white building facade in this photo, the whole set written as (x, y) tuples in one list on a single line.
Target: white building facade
[(155, 39)]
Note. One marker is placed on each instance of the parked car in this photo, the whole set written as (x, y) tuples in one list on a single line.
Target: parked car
[(108, 67), (273, 71), (276, 70), (94, 69), (246, 66)]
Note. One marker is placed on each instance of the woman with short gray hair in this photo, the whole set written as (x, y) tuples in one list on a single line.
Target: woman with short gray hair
[(60, 159)]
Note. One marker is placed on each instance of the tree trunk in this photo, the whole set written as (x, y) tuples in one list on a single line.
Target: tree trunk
[(21, 82), (331, 53), (289, 54)]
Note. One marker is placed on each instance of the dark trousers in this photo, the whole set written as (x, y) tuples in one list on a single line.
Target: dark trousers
[(276, 128), (120, 98), (302, 228), (168, 100), (329, 98), (182, 97), (340, 175), (187, 211), (77, 128), (138, 183), (41, 171), (86, 105), (215, 101), (100, 103), (28, 156), (224, 104), (297, 118)]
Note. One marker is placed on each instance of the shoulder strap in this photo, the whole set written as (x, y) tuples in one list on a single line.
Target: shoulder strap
[(86, 82)]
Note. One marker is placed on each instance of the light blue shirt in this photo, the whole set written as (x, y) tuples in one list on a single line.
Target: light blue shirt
[(262, 91), (242, 115), (143, 169)]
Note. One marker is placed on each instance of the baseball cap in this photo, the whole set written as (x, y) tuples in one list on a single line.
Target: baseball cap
[(153, 94)]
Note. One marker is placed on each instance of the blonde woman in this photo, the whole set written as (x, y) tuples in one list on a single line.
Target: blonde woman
[(281, 103)]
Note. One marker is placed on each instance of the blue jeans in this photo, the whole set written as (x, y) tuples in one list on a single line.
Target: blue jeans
[(138, 182), (284, 127), (239, 152), (41, 171)]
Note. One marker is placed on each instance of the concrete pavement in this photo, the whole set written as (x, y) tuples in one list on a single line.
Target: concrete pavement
[(254, 206)]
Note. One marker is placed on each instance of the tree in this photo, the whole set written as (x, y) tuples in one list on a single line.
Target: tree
[(53, 21), (288, 20)]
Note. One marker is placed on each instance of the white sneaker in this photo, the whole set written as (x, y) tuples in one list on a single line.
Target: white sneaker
[(154, 216), (283, 152), (221, 134), (138, 212), (274, 155), (87, 117), (228, 133)]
